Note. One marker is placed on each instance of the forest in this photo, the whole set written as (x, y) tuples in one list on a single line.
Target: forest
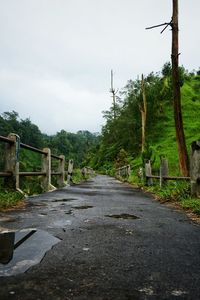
[(72, 145)]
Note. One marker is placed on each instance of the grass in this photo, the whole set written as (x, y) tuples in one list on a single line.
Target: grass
[(191, 204), (165, 143), (78, 176), (10, 199), (177, 192)]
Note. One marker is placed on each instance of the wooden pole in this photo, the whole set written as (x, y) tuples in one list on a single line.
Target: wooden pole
[(143, 110), (12, 162), (195, 169), (148, 172), (61, 169), (46, 168), (163, 170), (182, 150), (70, 171)]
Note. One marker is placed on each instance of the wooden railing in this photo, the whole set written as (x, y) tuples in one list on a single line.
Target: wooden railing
[(194, 177), (147, 176), (163, 173), (123, 171), (12, 172)]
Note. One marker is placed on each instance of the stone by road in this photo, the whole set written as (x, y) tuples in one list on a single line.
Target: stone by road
[(115, 242)]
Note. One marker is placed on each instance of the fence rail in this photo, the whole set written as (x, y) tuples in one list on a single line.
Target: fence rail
[(12, 173), (194, 177), (27, 147), (123, 171), (163, 176), (5, 139), (5, 174)]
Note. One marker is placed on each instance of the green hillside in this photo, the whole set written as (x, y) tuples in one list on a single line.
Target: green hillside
[(123, 132), (166, 143), (121, 139)]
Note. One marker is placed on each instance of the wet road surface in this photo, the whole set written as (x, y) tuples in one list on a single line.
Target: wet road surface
[(104, 240)]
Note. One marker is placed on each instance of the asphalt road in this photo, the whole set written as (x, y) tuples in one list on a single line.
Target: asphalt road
[(111, 241)]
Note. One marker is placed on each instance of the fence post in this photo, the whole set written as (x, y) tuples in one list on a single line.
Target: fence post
[(163, 170), (70, 171), (195, 168), (128, 170), (61, 169), (46, 167), (149, 181), (12, 161)]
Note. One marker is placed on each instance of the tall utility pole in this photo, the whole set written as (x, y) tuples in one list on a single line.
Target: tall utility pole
[(113, 92), (180, 137), (182, 150)]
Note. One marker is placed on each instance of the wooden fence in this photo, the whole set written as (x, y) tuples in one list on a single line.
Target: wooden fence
[(12, 173), (194, 177), (163, 173), (163, 176), (123, 172)]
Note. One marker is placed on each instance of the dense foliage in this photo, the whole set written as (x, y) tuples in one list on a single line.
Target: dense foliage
[(72, 145)]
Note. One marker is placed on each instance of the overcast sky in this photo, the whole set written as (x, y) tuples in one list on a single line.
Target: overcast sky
[(56, 55)]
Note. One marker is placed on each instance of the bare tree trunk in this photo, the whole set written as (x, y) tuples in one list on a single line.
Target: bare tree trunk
[(182, 150), (143, 110), (113, 95)]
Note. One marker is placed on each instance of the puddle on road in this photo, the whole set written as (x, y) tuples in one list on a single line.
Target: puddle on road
[(20, 250), (36, 204), (68, 212), (82, 207), (123, 216), (64, 200)]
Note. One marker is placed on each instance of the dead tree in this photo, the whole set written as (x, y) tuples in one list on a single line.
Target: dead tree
[(113, 92), (143, 111), (180, 137)]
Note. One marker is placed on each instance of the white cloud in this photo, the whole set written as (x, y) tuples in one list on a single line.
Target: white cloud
[(52, 103)]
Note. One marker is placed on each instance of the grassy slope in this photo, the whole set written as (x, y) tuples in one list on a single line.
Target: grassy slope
[(165, 144), (190, 93), (191, 117)]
